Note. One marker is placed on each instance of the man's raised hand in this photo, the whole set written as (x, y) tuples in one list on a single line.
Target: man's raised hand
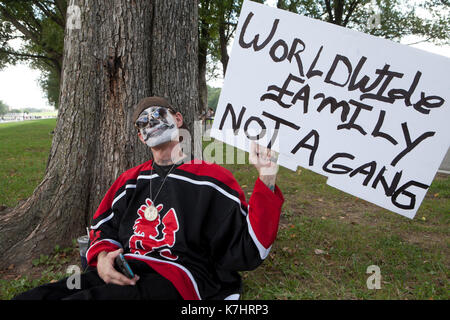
[(264, 161)]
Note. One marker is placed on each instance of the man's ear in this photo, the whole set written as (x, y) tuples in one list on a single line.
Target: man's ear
[(140, 137), (179, 119)]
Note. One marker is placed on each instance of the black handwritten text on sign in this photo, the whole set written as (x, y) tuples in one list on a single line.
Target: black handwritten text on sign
[(370, 114)]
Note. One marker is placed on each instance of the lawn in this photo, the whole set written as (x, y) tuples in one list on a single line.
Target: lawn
[(24, 148), (327, 239)]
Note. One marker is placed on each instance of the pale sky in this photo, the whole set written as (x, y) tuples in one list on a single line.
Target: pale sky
[(19, 86)]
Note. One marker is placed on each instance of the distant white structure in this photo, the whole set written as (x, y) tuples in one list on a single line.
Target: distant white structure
[(22, 116)]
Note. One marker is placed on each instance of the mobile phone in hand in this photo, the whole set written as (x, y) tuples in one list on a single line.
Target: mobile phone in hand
[(123, 266)]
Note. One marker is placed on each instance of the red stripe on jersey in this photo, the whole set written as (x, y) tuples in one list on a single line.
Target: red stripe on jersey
[(264, 214), (180, 278), (96, 248), (130, 174)]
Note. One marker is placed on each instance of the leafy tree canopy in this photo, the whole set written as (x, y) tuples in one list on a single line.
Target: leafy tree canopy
[(33, 31), (40, 25), (390, 19)]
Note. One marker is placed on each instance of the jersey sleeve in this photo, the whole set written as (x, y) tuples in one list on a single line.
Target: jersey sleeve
[(103, 233), (242, 239)]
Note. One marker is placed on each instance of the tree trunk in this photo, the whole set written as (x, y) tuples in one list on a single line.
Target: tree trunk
[(124, 51), (202, 59), (175, 57), (202, 85), (224, 57)]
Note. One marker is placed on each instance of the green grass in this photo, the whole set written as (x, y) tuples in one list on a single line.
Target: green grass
[(294, 271), (24, 149), (46, 268), (413, 255)]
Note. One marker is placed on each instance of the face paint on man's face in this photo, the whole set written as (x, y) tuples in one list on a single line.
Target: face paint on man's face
[(161, 128)]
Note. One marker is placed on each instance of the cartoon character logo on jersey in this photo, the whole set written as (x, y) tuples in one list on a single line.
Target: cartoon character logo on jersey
[(154, 235)]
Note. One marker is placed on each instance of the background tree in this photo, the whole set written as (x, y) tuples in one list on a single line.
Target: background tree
[(429, 19), (225, 23), (4, 108), (33, 31), (213, 97), (205, 34), (123, 51), (217, 24), (40, 24)]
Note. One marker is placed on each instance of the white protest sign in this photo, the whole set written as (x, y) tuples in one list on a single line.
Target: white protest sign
[(370, 114)]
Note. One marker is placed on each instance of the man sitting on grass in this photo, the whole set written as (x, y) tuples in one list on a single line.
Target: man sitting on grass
[(184, 225)]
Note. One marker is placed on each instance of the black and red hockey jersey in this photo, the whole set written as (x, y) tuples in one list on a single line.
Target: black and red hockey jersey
[(205, 231)]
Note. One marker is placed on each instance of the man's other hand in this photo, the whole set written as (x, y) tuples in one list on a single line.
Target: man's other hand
[(106, 270)]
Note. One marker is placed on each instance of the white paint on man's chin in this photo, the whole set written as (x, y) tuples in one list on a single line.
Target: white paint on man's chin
[(166, 136)]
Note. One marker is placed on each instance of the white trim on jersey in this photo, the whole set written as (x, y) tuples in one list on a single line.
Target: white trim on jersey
[(234, 296), (114, 242), (128, 186), (102, 221), (263, 251), (188, 273), (208, 183)]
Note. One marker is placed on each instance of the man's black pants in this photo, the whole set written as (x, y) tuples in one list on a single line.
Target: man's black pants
[(150, 286)]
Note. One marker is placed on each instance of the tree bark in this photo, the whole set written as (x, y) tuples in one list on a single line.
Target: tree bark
[(175, 56), (202, 61), (202, 84), (223, 42), (124, 51)]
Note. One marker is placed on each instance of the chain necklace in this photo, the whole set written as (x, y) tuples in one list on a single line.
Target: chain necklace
[(151, 213)]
